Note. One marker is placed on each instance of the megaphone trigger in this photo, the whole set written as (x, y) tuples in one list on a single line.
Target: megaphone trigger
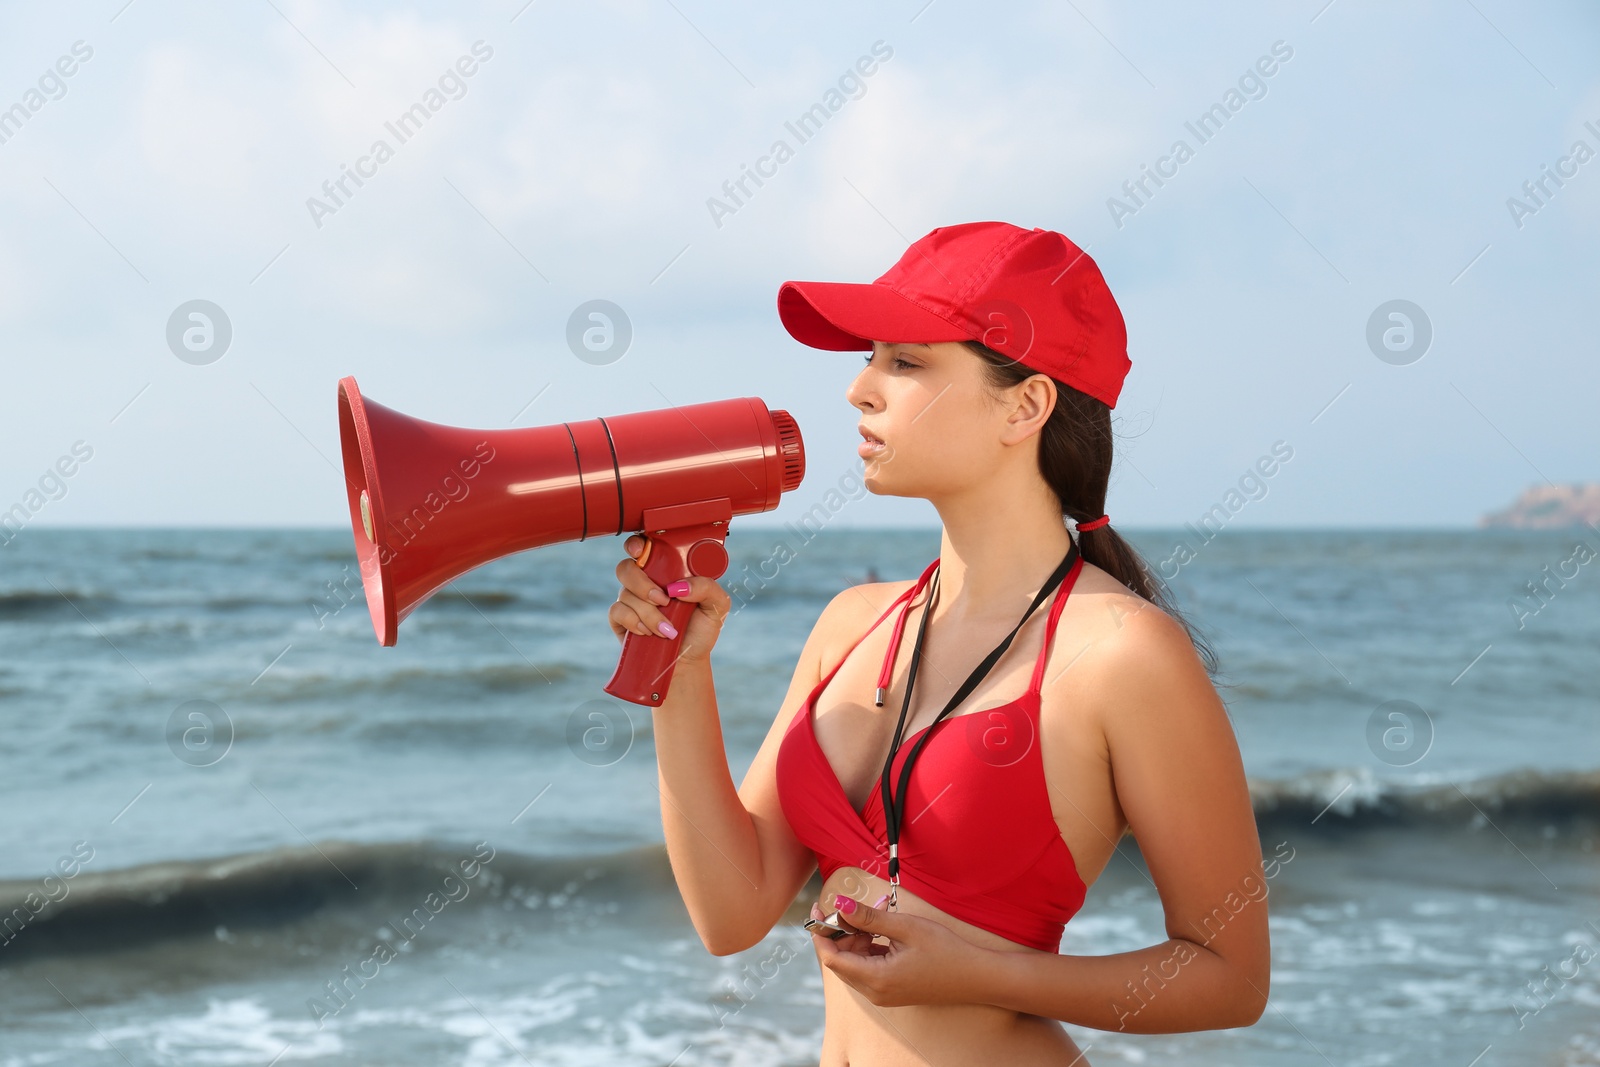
[(685, 541)]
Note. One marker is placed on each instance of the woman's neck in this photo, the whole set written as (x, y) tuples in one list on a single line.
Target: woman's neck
[(993, 560)]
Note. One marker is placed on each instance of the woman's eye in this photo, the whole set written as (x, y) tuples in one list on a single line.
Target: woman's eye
[(897, 363)]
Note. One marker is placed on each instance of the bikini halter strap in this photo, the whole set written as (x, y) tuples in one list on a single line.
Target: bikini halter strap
[(894, 806)]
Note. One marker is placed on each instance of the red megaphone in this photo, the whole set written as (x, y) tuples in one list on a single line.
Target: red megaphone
[(430, 502)]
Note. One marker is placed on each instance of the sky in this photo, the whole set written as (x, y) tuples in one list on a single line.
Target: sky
[(1393, 154)]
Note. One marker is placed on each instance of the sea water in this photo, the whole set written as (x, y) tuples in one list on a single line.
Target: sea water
[(288, 844)]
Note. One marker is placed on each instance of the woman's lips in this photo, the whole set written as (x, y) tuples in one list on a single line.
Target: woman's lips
[(870, 446)]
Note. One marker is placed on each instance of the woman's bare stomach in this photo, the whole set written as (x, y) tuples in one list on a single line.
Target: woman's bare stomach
[(859, 1033)]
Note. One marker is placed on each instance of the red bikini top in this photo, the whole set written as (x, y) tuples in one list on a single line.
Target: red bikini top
[(979, 840)]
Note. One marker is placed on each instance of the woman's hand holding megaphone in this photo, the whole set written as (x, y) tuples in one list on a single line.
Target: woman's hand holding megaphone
[(638, 606)]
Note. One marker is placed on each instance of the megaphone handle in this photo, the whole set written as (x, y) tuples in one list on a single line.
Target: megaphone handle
[(644, 673)]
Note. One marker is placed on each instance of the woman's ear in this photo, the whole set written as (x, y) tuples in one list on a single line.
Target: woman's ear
[(1035, 399)]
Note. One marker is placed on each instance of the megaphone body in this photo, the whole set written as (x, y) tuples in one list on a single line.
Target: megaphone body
[(430, 502)]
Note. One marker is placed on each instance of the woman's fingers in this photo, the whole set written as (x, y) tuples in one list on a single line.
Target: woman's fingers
[(711, 608), (639, 604), (636, 616), (706, 592), (634, 579), (624, 621), (633, 616)]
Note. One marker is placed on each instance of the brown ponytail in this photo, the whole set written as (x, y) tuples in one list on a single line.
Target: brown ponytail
[(1075, 460)]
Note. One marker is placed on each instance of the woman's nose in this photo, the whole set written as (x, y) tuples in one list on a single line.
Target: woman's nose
[(860, 394)]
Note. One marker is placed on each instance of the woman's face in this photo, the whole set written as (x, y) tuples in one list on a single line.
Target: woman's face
[(940, 428)]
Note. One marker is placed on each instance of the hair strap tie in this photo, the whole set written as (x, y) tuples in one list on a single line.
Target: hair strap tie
[(1093, 524)]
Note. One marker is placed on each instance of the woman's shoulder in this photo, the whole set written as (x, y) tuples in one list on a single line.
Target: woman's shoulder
[(1113, 635), (1112, 616), (851, 613)]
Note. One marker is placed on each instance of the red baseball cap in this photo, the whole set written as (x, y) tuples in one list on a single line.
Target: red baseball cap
[(1031, 295)]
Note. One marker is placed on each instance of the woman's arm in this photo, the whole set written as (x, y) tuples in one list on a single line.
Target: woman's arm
[(1181, 785), (711, 840), (1174, 987), (736, 862)]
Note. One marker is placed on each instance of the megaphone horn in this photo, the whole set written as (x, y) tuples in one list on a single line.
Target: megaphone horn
[(430, 502)]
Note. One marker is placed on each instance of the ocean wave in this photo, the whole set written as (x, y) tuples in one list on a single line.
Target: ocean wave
[(236, 603), (108, 910), (337, 886), (418, 683), (1356, 799), (31, 603), (160, 554), (476, 598)]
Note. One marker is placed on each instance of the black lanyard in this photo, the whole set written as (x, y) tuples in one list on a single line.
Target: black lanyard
[(894, 807)]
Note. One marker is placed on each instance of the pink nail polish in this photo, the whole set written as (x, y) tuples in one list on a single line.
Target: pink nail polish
[(678, 588), (845, 905), (880, 901), (666, 629)]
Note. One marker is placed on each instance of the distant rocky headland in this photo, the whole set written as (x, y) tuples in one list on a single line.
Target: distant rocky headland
[(1550, 507)]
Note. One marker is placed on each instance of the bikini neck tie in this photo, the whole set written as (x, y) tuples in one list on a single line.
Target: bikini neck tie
[(894, 807)]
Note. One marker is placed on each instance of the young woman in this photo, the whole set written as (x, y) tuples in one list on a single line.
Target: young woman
[(960, 795)]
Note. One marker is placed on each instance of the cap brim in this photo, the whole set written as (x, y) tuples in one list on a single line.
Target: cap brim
[(849, 316)]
